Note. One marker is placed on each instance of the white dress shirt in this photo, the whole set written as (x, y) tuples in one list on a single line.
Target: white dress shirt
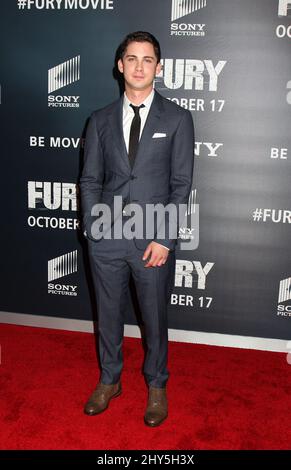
[(128, 115)]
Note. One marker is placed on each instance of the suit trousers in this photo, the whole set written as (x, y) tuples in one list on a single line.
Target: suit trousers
[(112, 261)]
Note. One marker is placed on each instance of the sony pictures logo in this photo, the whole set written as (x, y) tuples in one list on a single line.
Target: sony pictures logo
[(60, 76), (284, 298), (182, 8), (191, 231), (59, 267)]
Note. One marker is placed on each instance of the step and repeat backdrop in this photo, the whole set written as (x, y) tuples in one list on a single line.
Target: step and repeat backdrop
[(229, 63)]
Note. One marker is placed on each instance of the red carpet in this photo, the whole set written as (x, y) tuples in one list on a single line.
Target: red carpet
[(219, 398)]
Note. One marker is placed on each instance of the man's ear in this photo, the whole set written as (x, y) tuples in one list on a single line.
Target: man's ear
[(158, 68), (120, 65)]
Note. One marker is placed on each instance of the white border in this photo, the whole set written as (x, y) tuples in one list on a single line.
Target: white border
[(133, 331)]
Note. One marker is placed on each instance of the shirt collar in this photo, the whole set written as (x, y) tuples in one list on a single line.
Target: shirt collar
[(147, 102)]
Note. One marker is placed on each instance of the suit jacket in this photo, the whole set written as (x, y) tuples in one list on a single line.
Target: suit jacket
[(163, 167)]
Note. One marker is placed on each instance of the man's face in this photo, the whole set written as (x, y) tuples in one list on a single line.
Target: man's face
[(139, 65)]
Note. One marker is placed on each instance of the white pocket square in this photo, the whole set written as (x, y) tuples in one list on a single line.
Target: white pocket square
[(158, 135)]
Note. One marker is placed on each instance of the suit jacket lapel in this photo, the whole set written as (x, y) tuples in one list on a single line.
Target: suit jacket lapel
[(116, 123), (149, 128)]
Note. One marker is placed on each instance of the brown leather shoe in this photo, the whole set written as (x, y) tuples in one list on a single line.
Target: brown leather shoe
[(100, 398), (157, 407)]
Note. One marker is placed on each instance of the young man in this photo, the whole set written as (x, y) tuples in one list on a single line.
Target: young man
[(140, 147)]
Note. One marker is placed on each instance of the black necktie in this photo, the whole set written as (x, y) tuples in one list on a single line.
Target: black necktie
[(134, 134)]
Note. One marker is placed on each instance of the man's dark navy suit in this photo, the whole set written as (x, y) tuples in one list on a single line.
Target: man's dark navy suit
[(162, 173)]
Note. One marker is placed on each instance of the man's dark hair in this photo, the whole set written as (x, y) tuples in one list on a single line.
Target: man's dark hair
[(139, 36)]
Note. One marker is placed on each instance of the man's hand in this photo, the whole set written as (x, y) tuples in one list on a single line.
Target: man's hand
[(159, 255)]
